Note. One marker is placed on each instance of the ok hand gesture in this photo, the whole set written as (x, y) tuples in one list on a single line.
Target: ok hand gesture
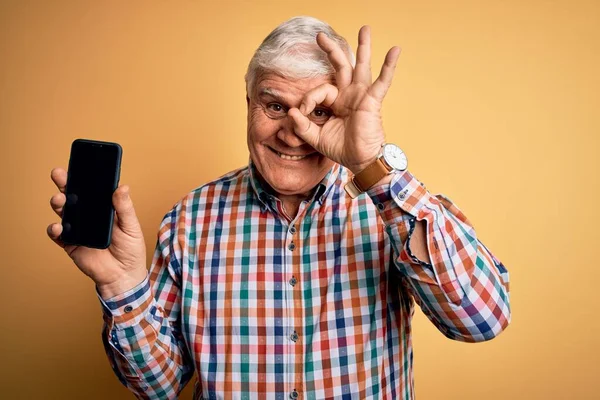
[(354, 134)]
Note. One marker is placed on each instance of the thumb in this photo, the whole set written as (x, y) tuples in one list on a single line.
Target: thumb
[(126, 218), (305, 128)]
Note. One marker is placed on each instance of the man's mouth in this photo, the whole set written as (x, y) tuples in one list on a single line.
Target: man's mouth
[(290, 157)]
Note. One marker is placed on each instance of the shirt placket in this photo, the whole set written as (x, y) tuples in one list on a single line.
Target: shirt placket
[(293, 302)]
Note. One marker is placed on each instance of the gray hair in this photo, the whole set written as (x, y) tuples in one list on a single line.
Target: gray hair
[(291, 50)]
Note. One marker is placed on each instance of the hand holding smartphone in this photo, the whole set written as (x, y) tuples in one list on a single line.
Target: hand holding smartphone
[(108, 248)]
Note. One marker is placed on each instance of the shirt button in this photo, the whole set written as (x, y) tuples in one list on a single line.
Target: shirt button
[(128, 308), (294, 336), (293, 281), (381, 206), (293, 230), (294, 394), (291, 246)]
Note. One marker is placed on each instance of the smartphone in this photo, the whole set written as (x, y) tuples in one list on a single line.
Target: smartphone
[(93, 176)]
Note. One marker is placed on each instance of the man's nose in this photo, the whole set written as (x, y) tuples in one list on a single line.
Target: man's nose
[(286, 133)]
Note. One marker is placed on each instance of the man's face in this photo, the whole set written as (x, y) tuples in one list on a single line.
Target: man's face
[(288, 164)]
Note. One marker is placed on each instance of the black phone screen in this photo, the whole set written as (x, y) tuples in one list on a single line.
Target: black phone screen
[(93, 176)]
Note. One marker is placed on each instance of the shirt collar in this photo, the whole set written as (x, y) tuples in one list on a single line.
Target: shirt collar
[(323, 188), (257, 187), (328, 182)]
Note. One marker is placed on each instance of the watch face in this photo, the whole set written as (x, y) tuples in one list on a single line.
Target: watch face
[(395, 157)]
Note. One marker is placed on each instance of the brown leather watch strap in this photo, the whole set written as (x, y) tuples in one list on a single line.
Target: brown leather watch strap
[(371, 175)]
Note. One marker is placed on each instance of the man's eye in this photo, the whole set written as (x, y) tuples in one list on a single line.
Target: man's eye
[(277, 108), (320, 115)]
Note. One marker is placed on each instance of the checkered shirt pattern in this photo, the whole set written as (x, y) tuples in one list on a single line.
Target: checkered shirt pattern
[(262, 306)]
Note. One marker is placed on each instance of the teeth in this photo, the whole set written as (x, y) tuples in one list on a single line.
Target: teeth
[(293, 158)]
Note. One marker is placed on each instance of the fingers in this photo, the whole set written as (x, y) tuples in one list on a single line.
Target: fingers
[(59, 176), (362, 71), (338, 59), (305, 128), (384, 80), (126, 217), (324, 94), (57, 202), (54, 231)]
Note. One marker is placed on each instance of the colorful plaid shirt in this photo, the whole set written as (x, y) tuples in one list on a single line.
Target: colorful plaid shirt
[(262, 306)]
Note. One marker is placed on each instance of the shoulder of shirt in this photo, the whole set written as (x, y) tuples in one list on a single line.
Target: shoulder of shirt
[(229, 179), (220, 185)]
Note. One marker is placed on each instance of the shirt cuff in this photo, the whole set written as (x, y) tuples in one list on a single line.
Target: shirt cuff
[(129, 308), (406, 191)]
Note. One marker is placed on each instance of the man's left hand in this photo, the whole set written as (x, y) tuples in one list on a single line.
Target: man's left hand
[(354, 134)]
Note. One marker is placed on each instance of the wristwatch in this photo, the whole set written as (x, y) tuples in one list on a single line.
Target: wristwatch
[(391, 158)]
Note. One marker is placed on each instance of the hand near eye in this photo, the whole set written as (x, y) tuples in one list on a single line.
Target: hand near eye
[(354, 136)]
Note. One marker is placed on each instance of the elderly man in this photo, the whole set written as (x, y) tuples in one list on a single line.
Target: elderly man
[(296, 276)]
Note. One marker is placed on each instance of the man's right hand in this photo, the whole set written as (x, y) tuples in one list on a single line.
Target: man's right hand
[(122, 265)]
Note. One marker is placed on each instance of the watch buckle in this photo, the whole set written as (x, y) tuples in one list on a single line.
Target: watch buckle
[(351, 189)]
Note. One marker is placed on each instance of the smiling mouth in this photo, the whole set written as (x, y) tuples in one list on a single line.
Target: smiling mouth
[(289, 157)]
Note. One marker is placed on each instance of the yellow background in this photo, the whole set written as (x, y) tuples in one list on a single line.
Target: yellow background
[(495, 103)]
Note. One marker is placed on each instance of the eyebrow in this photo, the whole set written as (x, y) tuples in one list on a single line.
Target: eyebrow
[(267, 91)]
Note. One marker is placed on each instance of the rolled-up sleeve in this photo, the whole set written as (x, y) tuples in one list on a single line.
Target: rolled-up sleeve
[(464, 289)]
